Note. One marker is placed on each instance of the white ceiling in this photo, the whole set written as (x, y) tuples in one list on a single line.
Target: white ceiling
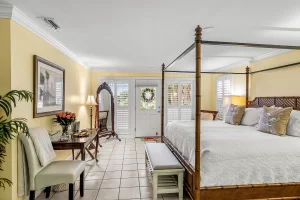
[(139, 35)]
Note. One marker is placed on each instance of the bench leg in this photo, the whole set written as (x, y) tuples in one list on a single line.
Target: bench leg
[(146, 158), (154, 185), (180, 185)]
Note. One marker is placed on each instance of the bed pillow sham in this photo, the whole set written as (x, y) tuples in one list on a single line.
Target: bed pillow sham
[(274, 120), (251, 116), (293, 127), (234, 114)]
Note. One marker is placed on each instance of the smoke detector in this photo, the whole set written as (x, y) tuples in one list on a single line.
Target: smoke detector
[(50, 22)]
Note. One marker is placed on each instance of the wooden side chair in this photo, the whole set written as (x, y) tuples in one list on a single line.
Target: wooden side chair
[(208, 115), (103, 117), (56, 172)]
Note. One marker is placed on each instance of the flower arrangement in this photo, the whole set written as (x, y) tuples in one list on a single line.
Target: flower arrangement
[(65, 119)]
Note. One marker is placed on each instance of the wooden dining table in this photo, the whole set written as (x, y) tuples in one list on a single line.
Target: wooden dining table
[(78, 143)]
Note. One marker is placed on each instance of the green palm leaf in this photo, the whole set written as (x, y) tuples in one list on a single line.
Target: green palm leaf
[(14, 96), (4, 181), (9, 129)]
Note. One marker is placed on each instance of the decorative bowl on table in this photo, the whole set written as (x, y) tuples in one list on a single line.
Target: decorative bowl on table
[(81, 134)]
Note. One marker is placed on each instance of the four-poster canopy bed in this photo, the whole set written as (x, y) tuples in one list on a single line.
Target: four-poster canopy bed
[(192, 173)]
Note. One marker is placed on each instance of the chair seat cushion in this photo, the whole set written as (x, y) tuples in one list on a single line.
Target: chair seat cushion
[(161, 157), (65, 171)]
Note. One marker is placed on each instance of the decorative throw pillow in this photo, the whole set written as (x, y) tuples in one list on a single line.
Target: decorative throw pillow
[(251, 116), (293, 127), (234, 114), (274, 120)]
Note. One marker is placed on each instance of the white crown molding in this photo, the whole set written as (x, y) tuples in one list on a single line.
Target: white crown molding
[(234, 65), (18, 16), (254, 59), (123, 70), (271, 54), (6, 11)]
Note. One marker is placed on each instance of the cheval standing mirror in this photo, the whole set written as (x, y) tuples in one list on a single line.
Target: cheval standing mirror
[(105, 112)]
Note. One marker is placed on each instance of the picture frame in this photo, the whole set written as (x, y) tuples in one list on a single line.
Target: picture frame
[(49, 88)]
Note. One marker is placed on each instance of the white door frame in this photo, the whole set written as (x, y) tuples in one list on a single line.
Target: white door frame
[(156, 129), (132, 90), (132, 122)]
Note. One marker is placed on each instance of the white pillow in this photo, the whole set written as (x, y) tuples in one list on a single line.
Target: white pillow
[(293, 127), (251, 116)]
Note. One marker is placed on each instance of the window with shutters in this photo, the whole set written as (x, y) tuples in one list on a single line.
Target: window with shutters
[(120, 91), (122, 109), (223, 88), (179, 106)]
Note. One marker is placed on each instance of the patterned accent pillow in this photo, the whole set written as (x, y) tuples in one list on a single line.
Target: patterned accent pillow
[(293, 127), (274, 120), (234, 114)]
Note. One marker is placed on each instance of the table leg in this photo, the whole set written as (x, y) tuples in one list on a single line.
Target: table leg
[(82, 154), (82, 184), (96, 149), (89, 153), (73, 155)]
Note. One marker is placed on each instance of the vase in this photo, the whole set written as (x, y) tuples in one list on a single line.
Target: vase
[(64, 134)]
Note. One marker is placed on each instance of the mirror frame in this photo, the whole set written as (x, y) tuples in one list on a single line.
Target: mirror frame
[(105, 86)]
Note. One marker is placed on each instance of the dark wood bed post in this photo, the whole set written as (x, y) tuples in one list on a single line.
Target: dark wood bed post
[(247, 85), (198, 39), (162, 101)]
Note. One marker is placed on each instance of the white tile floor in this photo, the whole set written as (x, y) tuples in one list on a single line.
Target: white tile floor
[(119, 174)]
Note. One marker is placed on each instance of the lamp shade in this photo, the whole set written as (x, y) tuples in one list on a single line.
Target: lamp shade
[(91, 101), (236, 100)]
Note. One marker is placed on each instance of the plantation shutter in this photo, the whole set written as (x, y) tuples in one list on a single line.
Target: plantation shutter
[(219, 98), (186, 101), (173, 109), (122, 108), (179, 101), (223, 88)]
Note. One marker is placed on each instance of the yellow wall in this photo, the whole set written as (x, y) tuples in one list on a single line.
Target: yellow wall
[(24, 45), (280, 82), (5, 85), (206, 83)]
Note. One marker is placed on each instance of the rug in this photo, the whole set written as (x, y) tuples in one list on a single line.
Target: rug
[(151, 139)]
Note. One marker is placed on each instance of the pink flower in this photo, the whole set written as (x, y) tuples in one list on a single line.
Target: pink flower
[(68, 116), (64, 115), (57, 114)]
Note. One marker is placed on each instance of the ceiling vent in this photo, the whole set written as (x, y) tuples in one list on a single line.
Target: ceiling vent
[(50, 22)]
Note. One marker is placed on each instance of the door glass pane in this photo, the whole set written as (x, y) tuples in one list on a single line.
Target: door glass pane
[(148, 98), (122, 94), (173, 94), (186, 96)]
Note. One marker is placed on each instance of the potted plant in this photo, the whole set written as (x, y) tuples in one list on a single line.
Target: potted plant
[(10, 128)]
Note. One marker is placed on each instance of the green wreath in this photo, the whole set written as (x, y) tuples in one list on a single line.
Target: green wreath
[(148, 95)]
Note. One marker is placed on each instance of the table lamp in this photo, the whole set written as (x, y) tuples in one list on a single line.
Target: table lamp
[(236, 100), (91, 102)]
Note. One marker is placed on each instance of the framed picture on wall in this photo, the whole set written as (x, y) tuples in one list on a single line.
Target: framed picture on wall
[(49, 88)]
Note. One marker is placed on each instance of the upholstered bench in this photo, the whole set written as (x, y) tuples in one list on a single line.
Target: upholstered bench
[(164, 170)]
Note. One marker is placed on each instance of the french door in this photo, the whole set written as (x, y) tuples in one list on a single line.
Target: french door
[(179, 102)]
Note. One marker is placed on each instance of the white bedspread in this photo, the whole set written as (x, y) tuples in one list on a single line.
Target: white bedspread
[(234, 155)]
